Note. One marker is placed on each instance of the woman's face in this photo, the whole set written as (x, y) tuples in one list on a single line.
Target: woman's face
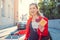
[(33, 10)]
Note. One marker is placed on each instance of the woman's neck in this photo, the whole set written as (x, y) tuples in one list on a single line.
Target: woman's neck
[(34, 17)]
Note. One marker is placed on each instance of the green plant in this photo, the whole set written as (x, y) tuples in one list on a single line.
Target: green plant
[(48, 9)]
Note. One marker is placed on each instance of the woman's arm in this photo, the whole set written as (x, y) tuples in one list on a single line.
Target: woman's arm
[(45, 32), (27, 30), (44, 29), (27, 33)]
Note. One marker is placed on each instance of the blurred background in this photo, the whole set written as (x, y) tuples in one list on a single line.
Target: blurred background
[(14, 13)]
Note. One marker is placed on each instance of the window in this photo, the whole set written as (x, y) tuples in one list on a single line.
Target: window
[(2, 8)]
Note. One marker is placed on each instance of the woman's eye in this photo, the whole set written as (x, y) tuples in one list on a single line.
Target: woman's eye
[(33, 8)]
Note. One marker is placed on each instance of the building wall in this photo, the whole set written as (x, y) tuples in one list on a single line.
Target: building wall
[(9, 15), (15, 11), (8, 18), (0, 12)]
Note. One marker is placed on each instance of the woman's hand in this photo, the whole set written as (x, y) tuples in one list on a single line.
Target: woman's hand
[(41, 28), (26, 39)]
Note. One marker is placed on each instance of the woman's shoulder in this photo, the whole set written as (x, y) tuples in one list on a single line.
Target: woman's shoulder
[(43, 17), (29, 20)]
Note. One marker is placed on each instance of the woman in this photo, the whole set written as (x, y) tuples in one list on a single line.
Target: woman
[(34, 29)]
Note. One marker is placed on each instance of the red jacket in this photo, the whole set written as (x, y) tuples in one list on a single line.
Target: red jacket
[(44, 33)]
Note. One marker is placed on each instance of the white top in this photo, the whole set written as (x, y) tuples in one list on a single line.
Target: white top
[(35, 24)]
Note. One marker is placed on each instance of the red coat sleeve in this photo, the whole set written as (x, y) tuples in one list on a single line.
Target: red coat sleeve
[(28, 28), (45, 31)]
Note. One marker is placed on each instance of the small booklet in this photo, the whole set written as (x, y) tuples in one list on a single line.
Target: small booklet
[(43, 22)]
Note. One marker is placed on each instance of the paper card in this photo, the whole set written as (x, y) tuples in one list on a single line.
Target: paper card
[(42, 22)]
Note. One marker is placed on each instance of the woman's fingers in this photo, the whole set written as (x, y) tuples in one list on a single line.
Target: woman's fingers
[(41, 28)]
